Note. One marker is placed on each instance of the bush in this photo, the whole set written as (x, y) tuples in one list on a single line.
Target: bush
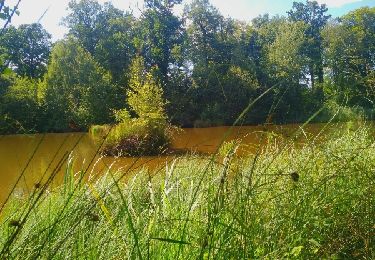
[(340, 113), (148, 133), (21, 108), (137, 138)]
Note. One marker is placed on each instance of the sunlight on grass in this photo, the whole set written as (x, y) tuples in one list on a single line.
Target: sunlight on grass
[(309, 202)]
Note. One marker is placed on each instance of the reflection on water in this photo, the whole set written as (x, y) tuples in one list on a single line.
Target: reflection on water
[(36, 154)]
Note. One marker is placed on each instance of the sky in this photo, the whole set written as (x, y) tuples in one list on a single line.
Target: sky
[(54, 10)]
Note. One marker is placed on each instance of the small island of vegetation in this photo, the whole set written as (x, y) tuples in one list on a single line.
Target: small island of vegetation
[(149, 132)]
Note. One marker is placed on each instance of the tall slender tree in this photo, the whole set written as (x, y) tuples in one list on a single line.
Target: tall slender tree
[(162, 35), (350, 56), (316, 17)]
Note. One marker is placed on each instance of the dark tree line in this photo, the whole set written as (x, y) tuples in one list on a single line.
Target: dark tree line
[(209, 67)]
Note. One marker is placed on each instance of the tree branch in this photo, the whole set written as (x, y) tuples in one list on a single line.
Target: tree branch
[(10, 17)]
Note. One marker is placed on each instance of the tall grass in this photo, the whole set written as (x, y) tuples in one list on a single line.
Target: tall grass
[(310, 201)]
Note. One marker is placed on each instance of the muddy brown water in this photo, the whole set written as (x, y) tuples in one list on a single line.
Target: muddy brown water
[(36, 154)]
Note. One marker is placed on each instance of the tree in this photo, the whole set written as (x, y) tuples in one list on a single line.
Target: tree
[(105, 32), (144, 97), (225, 63), (115, 51), (7, 13), (162, 35), (206, 24), (87, 22), (21, 107), (314, 15), (277, 48), (77, 90), (160, 40), (146, 133), (361, 24), (264, 34), (7, 79), (350, 55), (285, 53), (26, 49)]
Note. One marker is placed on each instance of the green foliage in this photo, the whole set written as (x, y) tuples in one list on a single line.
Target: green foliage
[(105, 32), (209, 67), (286, 51), (341, 113), (350, 56), (21, 107), (160, 35), (137, 138), (77, 89), (26, 49), (315, 17), (203, 32), (145, 95), (147, 133), (6, 14), (315, 201), (224, 76), (7, 78), (88, 20)]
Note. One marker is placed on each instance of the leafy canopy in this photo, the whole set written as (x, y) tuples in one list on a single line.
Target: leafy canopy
[(77, 89), (26, 49)]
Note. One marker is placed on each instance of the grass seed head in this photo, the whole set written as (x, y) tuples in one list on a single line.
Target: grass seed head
[(93, 217), (294, 176), (14, 223)]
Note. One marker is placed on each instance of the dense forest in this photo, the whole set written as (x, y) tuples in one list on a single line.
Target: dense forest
[(209, 67)]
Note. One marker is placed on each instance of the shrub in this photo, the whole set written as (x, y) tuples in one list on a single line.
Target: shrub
[(137, 137), (21, 109), (340, 113), (148, 133)]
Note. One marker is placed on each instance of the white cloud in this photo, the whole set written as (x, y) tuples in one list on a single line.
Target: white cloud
[(336, 3)]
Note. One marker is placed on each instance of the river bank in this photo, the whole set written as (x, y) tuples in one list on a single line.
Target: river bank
[(309, 202)]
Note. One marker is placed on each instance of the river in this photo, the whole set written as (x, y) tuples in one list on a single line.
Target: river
[(33, 155)]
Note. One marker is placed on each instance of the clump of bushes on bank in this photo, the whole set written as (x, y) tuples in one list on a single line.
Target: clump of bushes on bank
[(148, 131), (284, 202)]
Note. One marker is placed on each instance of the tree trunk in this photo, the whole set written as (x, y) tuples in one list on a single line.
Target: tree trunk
[(312, 76)]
